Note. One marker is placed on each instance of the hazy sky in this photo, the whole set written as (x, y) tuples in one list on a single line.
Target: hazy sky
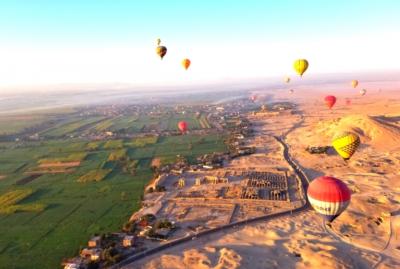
[(75, 41)]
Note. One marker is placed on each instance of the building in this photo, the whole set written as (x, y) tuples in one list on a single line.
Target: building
[(163, 233), (94, 242), (91, 253), (72, 265), (215, 179), (145, 230), (181, 183), (198, 181), (239, 136), (212, 166), (177, 171), (34, 137), (128, 241)]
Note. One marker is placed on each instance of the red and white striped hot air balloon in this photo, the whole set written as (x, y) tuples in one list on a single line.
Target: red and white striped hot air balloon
[(328, 196)]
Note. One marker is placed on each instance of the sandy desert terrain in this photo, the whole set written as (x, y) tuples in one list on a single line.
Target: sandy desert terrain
[(366, 235)]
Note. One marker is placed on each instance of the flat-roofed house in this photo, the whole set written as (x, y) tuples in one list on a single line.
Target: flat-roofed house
[(128, 241), (94, 242), (72, 265), (92, 253)]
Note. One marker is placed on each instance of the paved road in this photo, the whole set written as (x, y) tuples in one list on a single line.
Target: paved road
[(127, 263)]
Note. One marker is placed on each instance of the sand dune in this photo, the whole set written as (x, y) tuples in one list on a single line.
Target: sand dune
[(366, 235), (206, 258), (375, 131), (297, 242)]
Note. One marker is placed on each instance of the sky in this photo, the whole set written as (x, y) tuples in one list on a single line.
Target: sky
[(46, 42)]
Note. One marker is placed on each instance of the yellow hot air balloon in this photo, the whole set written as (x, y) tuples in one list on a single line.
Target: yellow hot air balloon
[(354, 83), (186, 63), (161, 51), (346, 144), (300, 66), (286, 79)]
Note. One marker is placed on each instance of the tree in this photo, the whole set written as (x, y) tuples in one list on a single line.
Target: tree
[(163, 224), (92, 265), (148, 217), (129, 227), (150, 190), (160, 188), (111, 255)]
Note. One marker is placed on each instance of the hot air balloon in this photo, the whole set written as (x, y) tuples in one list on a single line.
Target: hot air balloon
[(161, 51), (182, 126), (354, 83), (186, 63), (286, 79), (158, 42), (253, 98), (330, 101), (328, 196), (363, 92), (300, 66), (345, 144)]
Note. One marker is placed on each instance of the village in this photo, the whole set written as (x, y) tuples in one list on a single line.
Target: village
[(185, 199)]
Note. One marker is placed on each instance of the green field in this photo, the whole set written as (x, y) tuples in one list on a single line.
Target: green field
[(72, 126), (73, 157), (15, 124), (9, 202), (52, 216)]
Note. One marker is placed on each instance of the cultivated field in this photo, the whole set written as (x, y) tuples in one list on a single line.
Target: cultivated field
[(75, 124), (56, 193)]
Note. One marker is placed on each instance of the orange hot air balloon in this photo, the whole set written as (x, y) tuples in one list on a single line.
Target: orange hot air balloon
[(354, 83), (186, 63), (161, 51), (330, 101), (182, 126)]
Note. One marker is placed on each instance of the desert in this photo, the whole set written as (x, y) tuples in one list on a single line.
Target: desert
[(364, 236)]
